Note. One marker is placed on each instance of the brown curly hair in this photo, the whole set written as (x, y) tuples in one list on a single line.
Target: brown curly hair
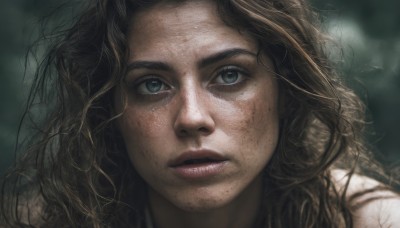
[(76, 172)]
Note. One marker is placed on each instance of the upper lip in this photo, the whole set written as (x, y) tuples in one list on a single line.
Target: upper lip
[(196, 154)]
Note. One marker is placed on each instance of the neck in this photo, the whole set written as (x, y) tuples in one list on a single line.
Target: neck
[(241, 212)]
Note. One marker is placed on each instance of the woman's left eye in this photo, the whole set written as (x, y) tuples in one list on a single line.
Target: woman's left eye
[(229, 75)]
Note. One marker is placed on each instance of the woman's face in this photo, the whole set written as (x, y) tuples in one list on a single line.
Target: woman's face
[(201, 120)]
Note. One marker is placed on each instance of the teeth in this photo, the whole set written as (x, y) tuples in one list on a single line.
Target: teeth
[(196, 161)]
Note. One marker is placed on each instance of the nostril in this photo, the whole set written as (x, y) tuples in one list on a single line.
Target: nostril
[(183, 132), (203, 129), (187, 132)]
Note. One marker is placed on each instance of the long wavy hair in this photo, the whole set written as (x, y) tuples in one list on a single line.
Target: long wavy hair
[(76, 171)]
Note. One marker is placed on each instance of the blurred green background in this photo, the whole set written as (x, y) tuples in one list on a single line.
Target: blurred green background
[(367, 30)]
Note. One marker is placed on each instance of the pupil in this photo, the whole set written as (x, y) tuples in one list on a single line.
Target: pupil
[(230, 77), (154, 85)]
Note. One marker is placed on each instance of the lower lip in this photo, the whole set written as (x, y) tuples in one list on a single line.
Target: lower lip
[(199, 171)]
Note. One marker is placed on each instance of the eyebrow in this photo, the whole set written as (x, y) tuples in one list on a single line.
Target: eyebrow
[(157, 65), (224, 55)]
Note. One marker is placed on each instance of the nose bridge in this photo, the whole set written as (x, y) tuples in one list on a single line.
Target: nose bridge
[(191, 99), (193, 112)]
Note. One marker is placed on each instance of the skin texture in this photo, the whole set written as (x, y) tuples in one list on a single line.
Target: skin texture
[(196, 109)]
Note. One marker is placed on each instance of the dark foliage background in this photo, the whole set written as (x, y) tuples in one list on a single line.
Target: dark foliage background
[(367, 30)]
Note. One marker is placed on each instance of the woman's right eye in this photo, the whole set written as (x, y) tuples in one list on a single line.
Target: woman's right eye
[(150, 86)]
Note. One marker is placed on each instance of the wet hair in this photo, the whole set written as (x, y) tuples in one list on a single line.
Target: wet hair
[(76, 171)]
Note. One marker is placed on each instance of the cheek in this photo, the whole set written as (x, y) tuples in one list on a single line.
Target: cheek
[(138, 122), (140, 125), (139, 128), (265, 121), (257, 129), (256, 119)]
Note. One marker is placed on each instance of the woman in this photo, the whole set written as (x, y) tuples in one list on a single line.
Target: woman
[(196, 114)]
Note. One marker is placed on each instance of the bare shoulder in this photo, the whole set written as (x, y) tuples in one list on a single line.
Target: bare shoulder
[(372, 204)]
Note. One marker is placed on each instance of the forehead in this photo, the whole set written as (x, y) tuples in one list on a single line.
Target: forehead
[(168, 18), (185, 10), (191, 22)]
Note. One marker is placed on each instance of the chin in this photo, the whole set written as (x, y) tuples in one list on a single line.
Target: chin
[(196, 198), (205, 204), (207, 199)]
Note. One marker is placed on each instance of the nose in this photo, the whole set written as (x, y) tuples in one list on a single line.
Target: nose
[(193, 116)]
